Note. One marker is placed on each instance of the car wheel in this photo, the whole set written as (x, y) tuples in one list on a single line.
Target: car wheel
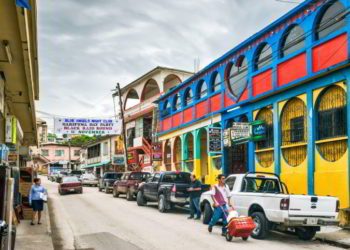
[(306, 233), (207, 214), (162, 203), (228, 236), (245, 238), (115, 193), (261, 230), (129, 196), (140, 199)]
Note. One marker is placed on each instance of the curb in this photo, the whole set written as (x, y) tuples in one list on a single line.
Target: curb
[(334, 242), (48, 222)]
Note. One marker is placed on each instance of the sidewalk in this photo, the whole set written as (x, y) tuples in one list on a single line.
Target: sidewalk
[(335, 236), (35, 237)]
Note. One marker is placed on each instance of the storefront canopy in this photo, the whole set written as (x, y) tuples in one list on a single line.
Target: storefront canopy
[(96, 164)]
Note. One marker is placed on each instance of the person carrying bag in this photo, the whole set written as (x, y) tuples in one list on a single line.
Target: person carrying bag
[(220, 194)]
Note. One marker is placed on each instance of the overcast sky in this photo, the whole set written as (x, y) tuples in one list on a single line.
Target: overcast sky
[(86, 46)]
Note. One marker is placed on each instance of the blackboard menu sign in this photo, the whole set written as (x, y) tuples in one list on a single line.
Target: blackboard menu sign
[(215, 140)]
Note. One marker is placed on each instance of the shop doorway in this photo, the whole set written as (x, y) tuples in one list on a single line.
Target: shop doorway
[(189, 154), (203, 137), (167, 155), (237, 155), (177, 154)]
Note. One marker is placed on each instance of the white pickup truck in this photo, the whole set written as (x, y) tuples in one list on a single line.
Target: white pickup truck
[(266, 199)]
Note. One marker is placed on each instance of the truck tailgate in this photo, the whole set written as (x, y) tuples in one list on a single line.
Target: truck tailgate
[(312, 206)]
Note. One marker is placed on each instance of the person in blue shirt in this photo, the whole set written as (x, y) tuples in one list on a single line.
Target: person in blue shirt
[(36, 199), (195, 191)]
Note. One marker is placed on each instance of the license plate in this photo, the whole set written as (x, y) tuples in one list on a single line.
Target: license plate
[(311, 221), (71, 190)]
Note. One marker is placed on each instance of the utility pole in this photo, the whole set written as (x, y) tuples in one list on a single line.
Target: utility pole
[(69, 153), (117, 91)]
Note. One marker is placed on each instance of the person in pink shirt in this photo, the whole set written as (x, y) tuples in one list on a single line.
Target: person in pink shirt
[(220, 194)]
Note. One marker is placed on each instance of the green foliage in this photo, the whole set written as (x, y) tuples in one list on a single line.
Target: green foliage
[(81, 140)]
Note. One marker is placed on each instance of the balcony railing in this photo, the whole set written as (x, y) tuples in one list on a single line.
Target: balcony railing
[(140, 107)]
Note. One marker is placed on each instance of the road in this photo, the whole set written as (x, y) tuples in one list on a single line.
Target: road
[(95, 220)]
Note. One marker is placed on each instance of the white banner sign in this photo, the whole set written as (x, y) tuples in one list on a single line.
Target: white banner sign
[(80, 126), (240, 130)]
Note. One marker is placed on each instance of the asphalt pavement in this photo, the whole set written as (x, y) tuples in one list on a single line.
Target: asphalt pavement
[(95, 220)]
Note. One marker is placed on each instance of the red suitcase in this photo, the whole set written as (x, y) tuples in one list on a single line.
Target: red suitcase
[(240, 227)]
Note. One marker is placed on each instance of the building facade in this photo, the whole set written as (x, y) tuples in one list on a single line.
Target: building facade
[(100, 155), (141, 117), (54, 154), (293, 75)]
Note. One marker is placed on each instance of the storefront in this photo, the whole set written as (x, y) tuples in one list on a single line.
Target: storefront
[(292, 76)]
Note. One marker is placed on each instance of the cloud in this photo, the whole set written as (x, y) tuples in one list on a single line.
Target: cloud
[(86, 46)]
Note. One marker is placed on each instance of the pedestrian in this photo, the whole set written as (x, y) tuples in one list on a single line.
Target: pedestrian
[(220, 194), (195, 193), (37, 195)]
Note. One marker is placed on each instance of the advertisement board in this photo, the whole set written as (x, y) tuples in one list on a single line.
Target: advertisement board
[(214, 140), (119, 160), (78, 126)]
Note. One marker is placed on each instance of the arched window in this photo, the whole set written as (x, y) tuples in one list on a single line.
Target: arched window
[(177, 102), (166, 108), (237, 76), (332, 123), (216, 83), (188, 97), (332, 19), (263, 56), (294, 131), (264, 148), (293, 40), (202, 89)]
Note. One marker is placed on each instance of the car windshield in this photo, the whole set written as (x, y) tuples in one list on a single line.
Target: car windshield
[(261, 185), (136, 176), (112, 176), (70, 179), (77, 172), (177, 178)]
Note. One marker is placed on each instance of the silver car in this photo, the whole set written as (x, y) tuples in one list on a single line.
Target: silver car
[(89, 180)]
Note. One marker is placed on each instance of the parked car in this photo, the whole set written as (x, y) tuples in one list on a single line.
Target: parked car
[(266, 199), (60, 175), (89, 180), (166, 188), (76, 173), (70, 184), (129, 184), (107, 181)]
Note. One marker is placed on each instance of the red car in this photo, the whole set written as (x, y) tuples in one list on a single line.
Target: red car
[(129, 183), (70, 184)]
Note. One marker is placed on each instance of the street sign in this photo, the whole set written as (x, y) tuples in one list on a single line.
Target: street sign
[(214, 140), (119, 160), (227, 137), (240, 131), (258, 130)]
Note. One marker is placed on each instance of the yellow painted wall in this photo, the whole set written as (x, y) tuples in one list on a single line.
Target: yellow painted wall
[(332, 178), (294, 177), (258, 167), (213, 171)]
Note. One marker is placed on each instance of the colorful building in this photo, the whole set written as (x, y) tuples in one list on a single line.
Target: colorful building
[(293, 75), (141, 115)]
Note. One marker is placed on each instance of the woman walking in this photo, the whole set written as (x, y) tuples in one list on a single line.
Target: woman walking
[(37, 195)]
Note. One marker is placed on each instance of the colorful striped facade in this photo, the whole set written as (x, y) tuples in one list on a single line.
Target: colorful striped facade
[(293, 75)]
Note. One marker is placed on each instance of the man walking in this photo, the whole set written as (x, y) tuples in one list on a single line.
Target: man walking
[(195, 193), (220, 194)]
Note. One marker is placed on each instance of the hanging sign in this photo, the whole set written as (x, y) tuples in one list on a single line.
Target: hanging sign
[(240, 131), (227, 137), (214, 140), (119, 160), (77, 126), (157, 151), (258, 130)]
